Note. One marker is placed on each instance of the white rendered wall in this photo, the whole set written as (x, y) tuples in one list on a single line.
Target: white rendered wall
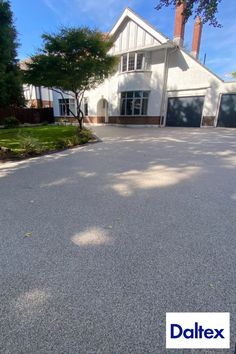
[(132, 36)]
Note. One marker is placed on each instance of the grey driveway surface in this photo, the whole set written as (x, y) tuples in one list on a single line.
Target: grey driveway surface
[(122, 231)]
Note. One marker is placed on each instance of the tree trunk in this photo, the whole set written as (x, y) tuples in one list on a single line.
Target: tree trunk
[(80, 113), (80, 123)]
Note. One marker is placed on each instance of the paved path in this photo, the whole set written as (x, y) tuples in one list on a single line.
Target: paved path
[(122, 232)]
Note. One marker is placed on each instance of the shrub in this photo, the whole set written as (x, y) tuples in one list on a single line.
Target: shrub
[(45, 123), (73, 141), (84, 135), (61, 144), (10, 122), (30, 146)]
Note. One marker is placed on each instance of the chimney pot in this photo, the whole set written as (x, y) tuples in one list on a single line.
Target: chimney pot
[(179, 23), (197, 34)]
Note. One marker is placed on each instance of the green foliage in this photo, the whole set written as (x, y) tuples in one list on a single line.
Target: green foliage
[(30, 145), (36, 140), (10, 75), (206, 9), (73, 141), (61, 144), (79, 138), (74, 60), (84, 135), (10, 122)]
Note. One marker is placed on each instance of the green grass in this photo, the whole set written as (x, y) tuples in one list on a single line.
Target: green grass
[(47, 136)]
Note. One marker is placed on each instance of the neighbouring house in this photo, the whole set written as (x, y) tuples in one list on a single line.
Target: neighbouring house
[(158, 82), (36, 96)]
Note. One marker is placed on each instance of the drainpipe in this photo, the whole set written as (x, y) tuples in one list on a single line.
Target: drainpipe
[(165, 79)]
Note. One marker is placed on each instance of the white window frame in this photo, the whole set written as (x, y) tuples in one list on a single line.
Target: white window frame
[(70, 102), (135, 62)]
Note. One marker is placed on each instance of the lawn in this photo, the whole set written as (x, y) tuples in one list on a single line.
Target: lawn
[(46, 138)]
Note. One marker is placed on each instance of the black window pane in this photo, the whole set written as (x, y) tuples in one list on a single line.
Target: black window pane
[(137, 106), (86, 109), (131, 61), (134, 103), (123, 107), (129, 106), (144, 107), (139, 64)]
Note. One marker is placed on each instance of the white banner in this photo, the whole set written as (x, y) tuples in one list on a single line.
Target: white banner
[(197, 330)]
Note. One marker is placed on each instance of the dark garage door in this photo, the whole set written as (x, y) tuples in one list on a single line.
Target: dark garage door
[(184, 111), (227, 112)]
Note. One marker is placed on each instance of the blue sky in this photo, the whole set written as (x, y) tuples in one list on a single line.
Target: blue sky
[(32, 18)]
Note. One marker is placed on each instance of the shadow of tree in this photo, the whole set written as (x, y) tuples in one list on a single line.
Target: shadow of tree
[(122, 232)]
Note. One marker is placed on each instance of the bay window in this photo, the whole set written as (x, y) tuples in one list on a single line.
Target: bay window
[(131, 61), (134, 103), (124, 59)]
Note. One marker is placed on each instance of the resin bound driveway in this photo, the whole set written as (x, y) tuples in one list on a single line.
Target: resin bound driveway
[(99, 242)]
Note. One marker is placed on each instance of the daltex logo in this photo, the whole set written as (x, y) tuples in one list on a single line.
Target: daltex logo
[(197, 330)]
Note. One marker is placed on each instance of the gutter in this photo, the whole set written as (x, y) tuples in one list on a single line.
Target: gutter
[(165, 79)]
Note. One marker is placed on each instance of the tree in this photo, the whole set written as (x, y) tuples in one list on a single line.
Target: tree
[(206, 9), (10, 77), (71, 62)]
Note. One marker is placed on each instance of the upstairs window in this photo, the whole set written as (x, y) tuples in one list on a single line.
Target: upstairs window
[(124, 59), (132, 62), (66, 106), (131, 65), (134, 103), (140, 61)]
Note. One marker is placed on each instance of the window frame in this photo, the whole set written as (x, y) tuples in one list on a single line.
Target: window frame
[(127, 96), (86, 107), (127, 55), (66, 107)]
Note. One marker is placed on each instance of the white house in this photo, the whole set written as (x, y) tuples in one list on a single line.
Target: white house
[(158, 82)]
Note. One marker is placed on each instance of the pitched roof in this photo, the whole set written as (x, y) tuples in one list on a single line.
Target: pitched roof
[(159, 36), (128, 13)]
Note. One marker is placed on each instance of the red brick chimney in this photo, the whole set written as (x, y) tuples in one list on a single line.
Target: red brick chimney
[(179, 23), (197, 34)]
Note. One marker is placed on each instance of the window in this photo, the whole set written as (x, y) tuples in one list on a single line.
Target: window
[(124, 62), (132, 61), (85, 106), (139, 62), (66, 106), (134, 103)]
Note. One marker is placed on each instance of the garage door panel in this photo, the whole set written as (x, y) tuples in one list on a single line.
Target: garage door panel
[(184, 111), (227, 111)]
